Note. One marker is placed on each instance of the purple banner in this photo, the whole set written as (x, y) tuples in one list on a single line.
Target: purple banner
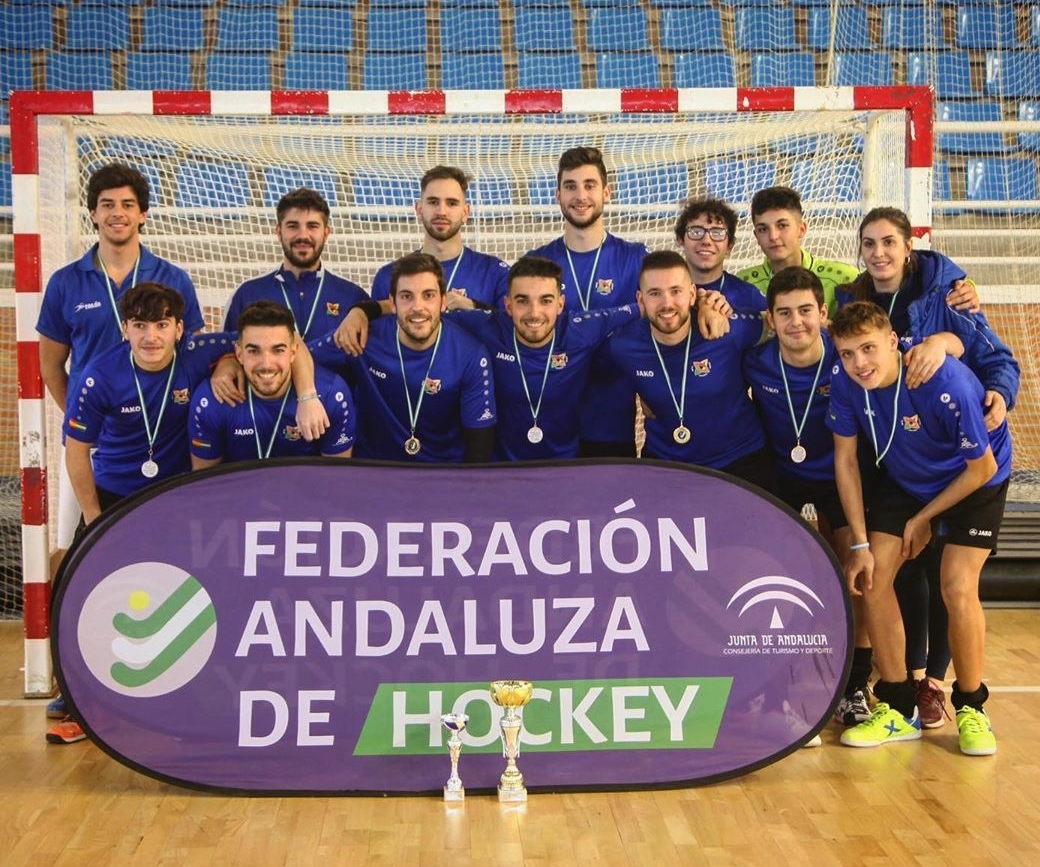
[(301, 626)]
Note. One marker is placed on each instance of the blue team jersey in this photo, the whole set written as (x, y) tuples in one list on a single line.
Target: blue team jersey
[(77, 308), (244, 433), (719, 415), (762, 372), (599, 279), (319, 300), (935, 428), (476, 275), (457, 391), (105, 409), (578, 335), (742, 296)]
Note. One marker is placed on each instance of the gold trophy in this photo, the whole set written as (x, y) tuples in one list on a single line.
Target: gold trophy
[(510, 695), (456, 724)]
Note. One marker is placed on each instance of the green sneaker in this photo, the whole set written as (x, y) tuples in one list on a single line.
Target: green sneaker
[(975, 732), (885, 725)]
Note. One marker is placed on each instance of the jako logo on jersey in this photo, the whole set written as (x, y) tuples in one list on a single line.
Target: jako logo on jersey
[(244, 432), (769, 389), (332, 308), (147, 629), (558, 361), (180, 395), (291, 432), (649, 374), (431, 386), (126, 410), (604, 286), (378, 373), (93, 305), (505, 356), (911, 423), (701, 368)]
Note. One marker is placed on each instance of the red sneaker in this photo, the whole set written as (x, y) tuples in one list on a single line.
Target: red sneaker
[(68, 731), (931, 703)]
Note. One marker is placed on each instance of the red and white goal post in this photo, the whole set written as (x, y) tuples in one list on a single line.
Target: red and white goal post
[(218, 161)]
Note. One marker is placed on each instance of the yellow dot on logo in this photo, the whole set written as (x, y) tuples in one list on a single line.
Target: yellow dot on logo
[(139, 600)]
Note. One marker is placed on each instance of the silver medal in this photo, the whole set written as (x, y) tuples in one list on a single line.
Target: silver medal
[(681, 435), (412, 446), (534, 435), (798, 454), (149, 469)]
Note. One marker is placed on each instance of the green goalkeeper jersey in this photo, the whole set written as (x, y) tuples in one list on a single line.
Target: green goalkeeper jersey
[(831, 273)]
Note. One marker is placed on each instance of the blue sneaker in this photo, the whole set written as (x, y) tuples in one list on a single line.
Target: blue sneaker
[(885, 726), (56, 708)]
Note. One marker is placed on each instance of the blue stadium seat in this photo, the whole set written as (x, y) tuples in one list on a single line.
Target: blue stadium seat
[(83, 70), (1011, 179), (279, 180), (396, 29), (685, 4), (541, 190), (765, 28), (851, 29), (317, 29), (238, 71), (691, 29), (941, 190), (1029, 140), (469, 28), (783, 69), (627, 69), (308, 70), (736, 181), (824, 183), (987, 26), (540, 28), (662, 186), (26, 27), (5, 183), (1034, 25), (862, 67), (540, 70), (911, 27), (400, 71), (970, 142), (376, 191), (204, 184), (97, 28), (478, 70), (1012, 73), (172, 28), (948, 71), (158, 70), (16, 72), (489, 190), (247, 29), (555, 4), (617, 29), (704, 69)]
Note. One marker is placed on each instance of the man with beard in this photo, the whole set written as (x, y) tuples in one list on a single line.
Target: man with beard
[(473, 279), (423, 386), (264, 425), (599, 271)]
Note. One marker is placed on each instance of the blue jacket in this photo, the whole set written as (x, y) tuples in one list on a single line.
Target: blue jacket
[(989, 358)]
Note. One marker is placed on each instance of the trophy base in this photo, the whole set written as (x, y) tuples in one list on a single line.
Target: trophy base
[(512, 796), (453, 795)]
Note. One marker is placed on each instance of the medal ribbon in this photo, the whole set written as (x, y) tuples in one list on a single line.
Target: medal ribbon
[(798, 428), (314, 305), (895, 417), (680, 406), (545, 376), (111, 290), (592, 275), (149, 432), (264, 455), (413, 417)]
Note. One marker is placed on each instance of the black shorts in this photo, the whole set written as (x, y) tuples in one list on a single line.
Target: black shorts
[(823, 495), (973, 522), (756, 468)]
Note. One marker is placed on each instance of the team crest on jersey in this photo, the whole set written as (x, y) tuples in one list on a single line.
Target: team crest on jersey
[(332, 308), (558, 360), (180, 395), (291, 432), (604, 286), (824, 390), (911, 423), (702, 367), (431, 386)]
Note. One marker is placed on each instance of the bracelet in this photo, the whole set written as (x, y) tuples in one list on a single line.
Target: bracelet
[(859, 546), (302, 397)]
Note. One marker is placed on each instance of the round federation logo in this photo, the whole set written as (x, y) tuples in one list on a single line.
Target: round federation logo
[(147, 629)]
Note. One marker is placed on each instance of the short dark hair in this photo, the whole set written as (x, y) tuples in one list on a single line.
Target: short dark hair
[(791, 280), (711, 208), (775, 199), (445, 173), (268, 314), (151, 302), (536, 266), (662, 260), (575, 158), (859, 317), (112, 177), (302, 199), (416, 263)]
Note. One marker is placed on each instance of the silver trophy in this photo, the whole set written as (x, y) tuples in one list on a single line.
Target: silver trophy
[(456, 724)]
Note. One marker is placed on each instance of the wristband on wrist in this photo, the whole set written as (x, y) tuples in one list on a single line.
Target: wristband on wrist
[(302, 397), (859, 546)]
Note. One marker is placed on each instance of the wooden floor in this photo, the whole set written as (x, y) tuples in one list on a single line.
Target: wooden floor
[(918, 803)]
